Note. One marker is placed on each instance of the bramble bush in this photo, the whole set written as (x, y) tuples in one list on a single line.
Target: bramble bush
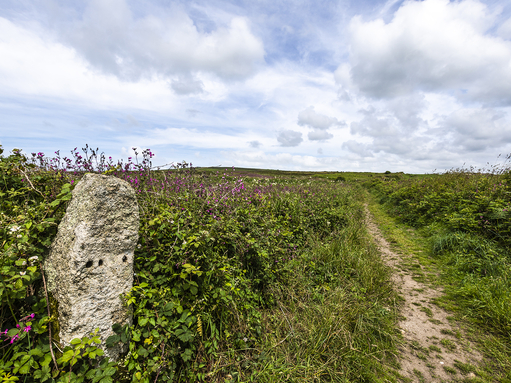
[(216, 253), (467, 200)]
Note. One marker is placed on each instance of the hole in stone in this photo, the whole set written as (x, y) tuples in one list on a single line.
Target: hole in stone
[(88, 264), (124, 259), (100, 263)]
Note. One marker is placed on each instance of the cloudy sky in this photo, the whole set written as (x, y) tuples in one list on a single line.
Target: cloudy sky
[(362, 85)]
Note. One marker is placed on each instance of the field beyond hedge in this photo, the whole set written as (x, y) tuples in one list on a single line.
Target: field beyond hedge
[(240, 278)]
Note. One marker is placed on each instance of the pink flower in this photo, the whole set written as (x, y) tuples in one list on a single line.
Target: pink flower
[(27, 318), (14, 338), (27, 329)]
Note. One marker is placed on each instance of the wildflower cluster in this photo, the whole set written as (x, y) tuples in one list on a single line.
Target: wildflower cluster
[(213, 244), (91, 161), (24, 326)]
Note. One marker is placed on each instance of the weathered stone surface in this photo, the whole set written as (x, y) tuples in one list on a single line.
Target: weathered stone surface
[(91, 260)]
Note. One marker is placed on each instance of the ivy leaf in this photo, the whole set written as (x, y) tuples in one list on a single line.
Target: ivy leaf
[(68, 355), (185, 336), (19, 284), (142, 352), (43, 374), (112, 340), (136, 336), (36, 351), (168, 308), (109, 371), (142, 321), (117, 328), (187, 355)]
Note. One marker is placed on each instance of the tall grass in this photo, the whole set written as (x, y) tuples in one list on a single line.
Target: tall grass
[(335, 318)]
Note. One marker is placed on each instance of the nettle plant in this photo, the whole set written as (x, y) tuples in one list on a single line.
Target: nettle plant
[(213, 249)]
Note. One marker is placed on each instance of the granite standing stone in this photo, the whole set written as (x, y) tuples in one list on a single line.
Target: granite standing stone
[(91, 260)]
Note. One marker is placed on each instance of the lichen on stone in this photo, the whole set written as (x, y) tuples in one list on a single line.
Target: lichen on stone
[(90, 264)]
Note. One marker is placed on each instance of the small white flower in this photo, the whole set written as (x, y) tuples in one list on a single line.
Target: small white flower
[(14, 228), (24, 263), (33, 258), (23, 272), (19, 236), (139, 246)]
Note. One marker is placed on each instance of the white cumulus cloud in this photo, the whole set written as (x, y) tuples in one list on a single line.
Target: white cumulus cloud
[(113, 40), (187, 85), (431, 45), (318, 122), (289, 138), (309, 117)]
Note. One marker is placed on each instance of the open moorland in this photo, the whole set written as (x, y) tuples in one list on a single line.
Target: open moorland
[(249, 275)]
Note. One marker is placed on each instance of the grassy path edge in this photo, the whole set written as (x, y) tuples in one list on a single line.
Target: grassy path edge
[(413, 243)]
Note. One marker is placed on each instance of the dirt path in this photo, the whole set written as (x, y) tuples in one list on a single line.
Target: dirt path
[(433, 347)]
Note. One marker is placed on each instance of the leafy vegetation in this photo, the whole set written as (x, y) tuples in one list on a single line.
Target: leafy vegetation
[(237, 278), (465, 215)]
